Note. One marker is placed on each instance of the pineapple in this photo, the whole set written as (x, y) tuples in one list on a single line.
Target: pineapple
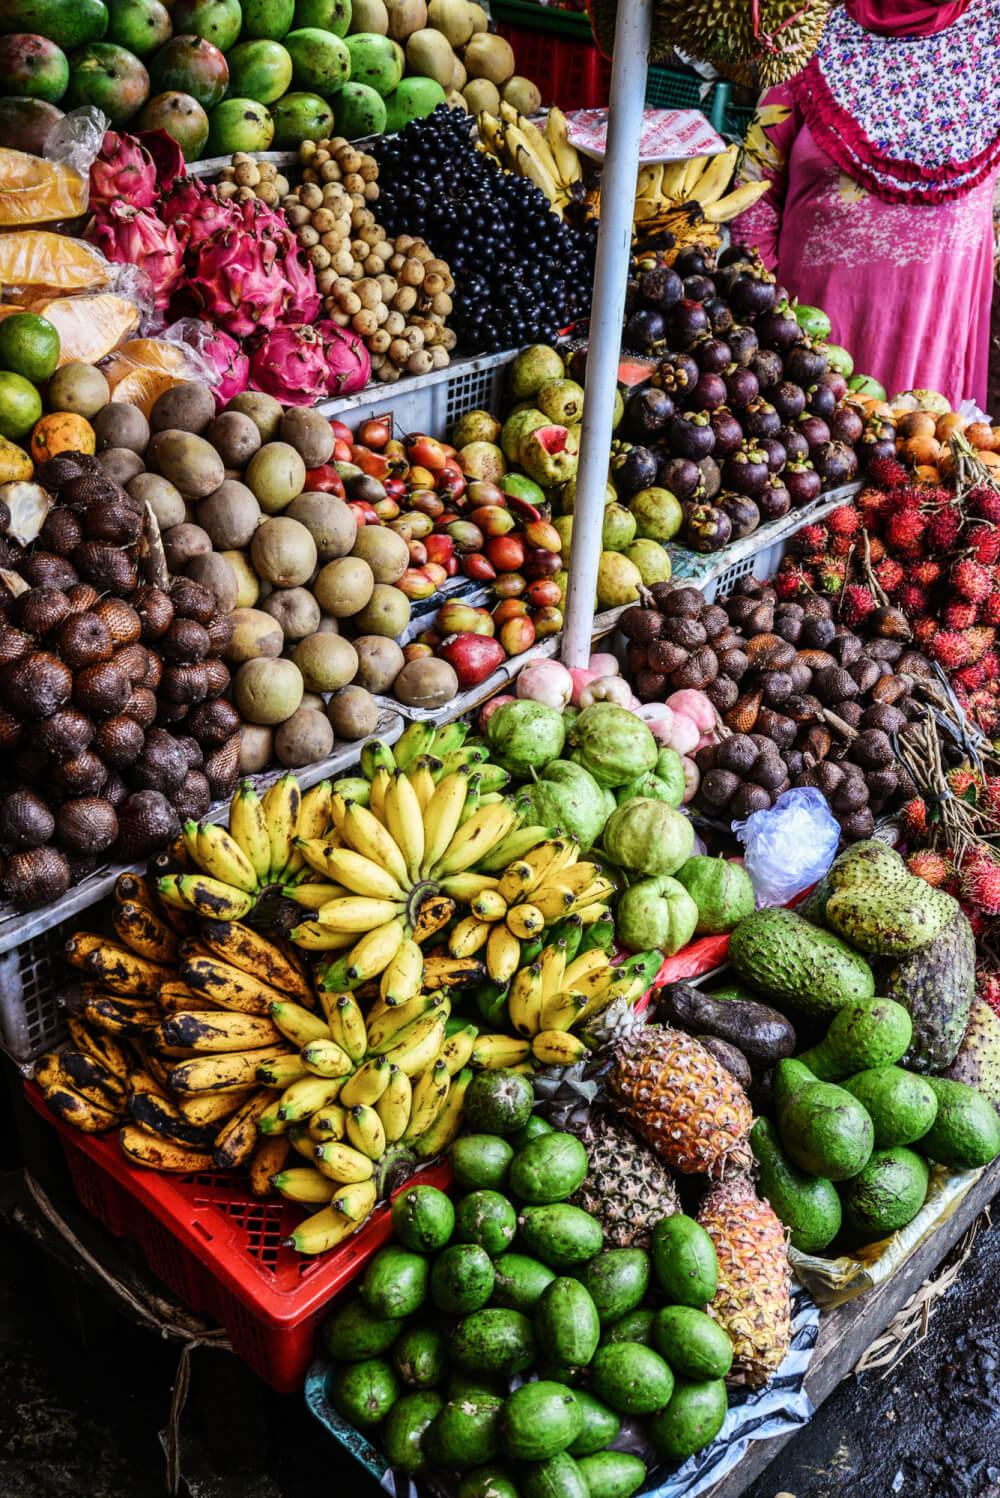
[(681, 1100), (752, 1302), (625, 1188), (612, 1024)]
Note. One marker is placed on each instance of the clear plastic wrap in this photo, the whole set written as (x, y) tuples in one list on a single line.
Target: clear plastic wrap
[(144, 368), (35, 261), (49, 189), (89, 326), (790, 846)]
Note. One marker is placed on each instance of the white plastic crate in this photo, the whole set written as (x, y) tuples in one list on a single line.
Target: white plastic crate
[(761, 564), (429, 403)]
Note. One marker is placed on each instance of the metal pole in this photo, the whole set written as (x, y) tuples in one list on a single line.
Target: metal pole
[(614, 242)]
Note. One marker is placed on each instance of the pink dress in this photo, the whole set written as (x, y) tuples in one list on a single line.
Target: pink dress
[(907, 288)]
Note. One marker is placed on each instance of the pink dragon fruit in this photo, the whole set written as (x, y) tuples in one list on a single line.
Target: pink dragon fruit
[(231, 362), (290, 364), (122, 172), (135, 236), (348, 358), (237, 283), (166, 154), (261, 220), (195, 211)]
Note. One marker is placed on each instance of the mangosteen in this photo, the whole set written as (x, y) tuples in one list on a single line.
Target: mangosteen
[(634, 468), (872, 446), (689, 435), (788, 400), (660, 288), (644, 330), (646, 413), (795, 445), (761, 419), (804, 364), (836, 382), (846, 425), (734, 254), (675, 374), (711, 477), (698, 288), (744, 515), (719, 315), (777, 457), (774, 500), (743, 343), (726, 276), (680, 476), (814, 429), (711, 355), (745, 471), (768, 368), (694, 260), (708, 394), (741, 386), (820, 401), (685, 321), (778, 329), (835, 463), (727, 430), (752, 293), (707, 528), (802, 482)]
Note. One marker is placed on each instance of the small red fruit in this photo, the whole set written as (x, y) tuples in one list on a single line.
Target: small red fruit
[(506, 553), (473, 656), (421, 477), (489, 708), (451, 484), (543, 593), (541, 534), (395, 488), (426, 501), (416, 584), (421, 526), (429, 637), (361, 512), (341, 432), (325, 480), (482, 492), (492, 520), (373, 433), (437, 574), (466, 536), (541, 564), (415, 651), (426, 452), (476, 566), (511, 608), (386, 509), (418, 554), (509, 585), (548, 621), (376, 465), (517, 635), (341, 451), (439, 548), (457, 618)]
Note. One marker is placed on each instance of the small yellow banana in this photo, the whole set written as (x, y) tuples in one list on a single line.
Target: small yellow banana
[(324, 1058), (282, 1071), (210, 897), (332, 1224), (372, 954), (367, 1084), (430, 1094), (503, 954), (448, 1123), (393, 1107), (342, 1163), (358, 913), (248, 826), (367, 836), (405, 822), (401, 978), (365, 1131), (566, 156), (468, 937), (297, 1024), (376, 793), (313, 822), (556, 1048), (417, 1049), (281, 812), (386, 1022), (492, 1051), (221, 857), (314, 894), (299, 1138), (525, 921), (301, 1099), (466, 887), (421, 780), (736, 202), (329, 1122), (311, 936), (715, 178), (458, 1047), (302, 1184), (475, 838), (267, 1159), (524, 1000), (561, 1011)]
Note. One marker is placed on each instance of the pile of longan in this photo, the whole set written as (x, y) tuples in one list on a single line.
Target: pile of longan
[(245, 178), (394, 293)]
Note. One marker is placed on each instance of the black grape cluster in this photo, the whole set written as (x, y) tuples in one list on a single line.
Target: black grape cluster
[(521, 274)]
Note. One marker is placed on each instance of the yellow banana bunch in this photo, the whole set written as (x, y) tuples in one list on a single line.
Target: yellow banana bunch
[(545, 157), (690, 197)]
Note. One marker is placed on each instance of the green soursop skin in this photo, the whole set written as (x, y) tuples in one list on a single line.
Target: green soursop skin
[(611, 743), (525, 736), (890, 918), (978, 1060), (649, 837), (656, 913), (784, 957), (565, 796), (936, 984)]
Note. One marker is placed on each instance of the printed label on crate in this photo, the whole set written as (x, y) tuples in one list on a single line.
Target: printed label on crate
[(667, 134)]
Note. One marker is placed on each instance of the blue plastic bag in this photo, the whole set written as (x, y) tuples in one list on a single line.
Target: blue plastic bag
[(789, 846)]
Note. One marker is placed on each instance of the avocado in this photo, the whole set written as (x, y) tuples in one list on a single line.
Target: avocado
[(487, 1482), (822, 1127), (611, 1474), (693, 1344), (936, 984), (693, 1417), (465, 1431), (539, 1420), (395, 1282), (566, 1323), (631, 1378), (364, 1393), (978, 1059), (966, 1131), (887, 1194), (420, 1357), (519, 1281), (901, 1104), (461, 1279), (635, 1326), (480, 1162), (890, 918), (548, 1169), (560, 1235), (403, 1431), (808, 1205), (684, 1261), (617, 1280), (600, 1425), (872, 1032), (352, 1332), (559, 1477), (487, 1219), (786, 958), (493, 1341)]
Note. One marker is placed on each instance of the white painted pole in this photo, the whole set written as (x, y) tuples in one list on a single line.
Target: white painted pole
[(614, 243)]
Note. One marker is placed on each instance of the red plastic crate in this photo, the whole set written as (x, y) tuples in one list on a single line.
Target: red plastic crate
[(219, 1248), (571, 74)]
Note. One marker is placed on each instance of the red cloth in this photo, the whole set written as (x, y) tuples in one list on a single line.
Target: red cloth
[(905, 17)]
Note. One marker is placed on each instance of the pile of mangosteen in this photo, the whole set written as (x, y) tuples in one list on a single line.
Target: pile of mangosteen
[(744, 419)]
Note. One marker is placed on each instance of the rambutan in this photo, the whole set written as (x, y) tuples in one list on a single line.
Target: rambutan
[(964, 783), (904, 532), (926, 573), (984, 502), (857, 604), (876, 550), (950, 649), (830, 575), (914, 816), (984, 708), (911, 497), (979, 921), (912, 599), (990, 611), (988, 987), (960, 615), (980, 639), (970, 580), (891, 575), (929, 866), (810, 540), (843, 521), (791, 581), (981, 882), (984, 542), (943, 530), (888, 473), (924, 630), (841, 546), (970, 677)]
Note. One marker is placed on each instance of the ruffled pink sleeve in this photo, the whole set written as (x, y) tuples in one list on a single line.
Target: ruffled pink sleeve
[(767, 147)]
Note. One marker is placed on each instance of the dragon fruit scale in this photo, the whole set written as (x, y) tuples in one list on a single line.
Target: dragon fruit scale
[(237, 281), (290, 363), (231, 362), (348, 358), (136, 236), (195, 211), (122, 172), (262, 221)]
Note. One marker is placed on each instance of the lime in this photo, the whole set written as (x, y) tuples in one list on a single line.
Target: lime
[(20, 405), (29, 346)]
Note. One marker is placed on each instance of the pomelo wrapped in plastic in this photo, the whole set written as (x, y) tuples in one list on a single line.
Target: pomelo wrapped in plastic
[(39, 261), (35, 191), (144, 368)]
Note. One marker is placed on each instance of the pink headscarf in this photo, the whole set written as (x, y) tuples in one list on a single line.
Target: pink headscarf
[(906, 17)]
